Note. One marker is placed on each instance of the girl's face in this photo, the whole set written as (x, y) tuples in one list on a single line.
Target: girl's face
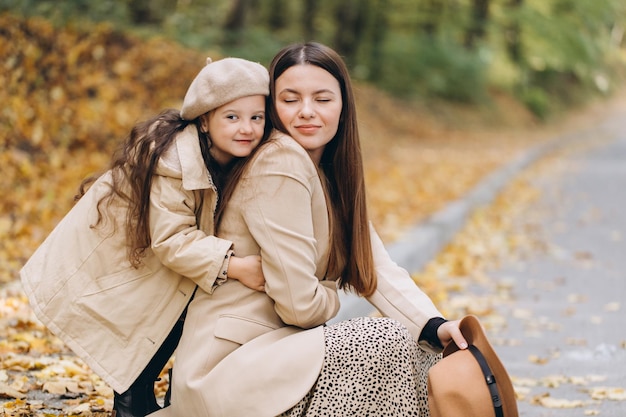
[(308, 103), (235, 128)]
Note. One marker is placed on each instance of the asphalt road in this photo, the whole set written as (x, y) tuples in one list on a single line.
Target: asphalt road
[(562, 332), (564, 342)]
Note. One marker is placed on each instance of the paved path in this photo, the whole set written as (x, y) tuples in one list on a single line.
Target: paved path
[(565, 332), (566, 325)]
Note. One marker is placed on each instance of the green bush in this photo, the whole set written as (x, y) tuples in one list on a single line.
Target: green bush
[(432, 67), (537, 101), (568, 52)]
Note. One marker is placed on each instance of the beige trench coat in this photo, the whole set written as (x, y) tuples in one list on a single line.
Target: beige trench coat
[(247, 353), (81, 285)]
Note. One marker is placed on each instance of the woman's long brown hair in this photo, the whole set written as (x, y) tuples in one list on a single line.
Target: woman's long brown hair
[(351, 251)]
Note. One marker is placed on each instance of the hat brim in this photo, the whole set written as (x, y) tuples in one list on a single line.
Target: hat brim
[(474, 334)]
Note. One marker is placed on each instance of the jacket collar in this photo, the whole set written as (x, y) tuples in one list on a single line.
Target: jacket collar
[(194, 173)]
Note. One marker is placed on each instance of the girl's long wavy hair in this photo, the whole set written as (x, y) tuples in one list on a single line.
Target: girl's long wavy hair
[(351, 251), (132, 168)]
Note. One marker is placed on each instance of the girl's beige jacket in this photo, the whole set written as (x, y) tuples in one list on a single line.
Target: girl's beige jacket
[(82, 286), (248, 353)]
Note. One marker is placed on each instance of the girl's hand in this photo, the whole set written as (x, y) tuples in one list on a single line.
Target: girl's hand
[(248, 271), (450, 331)]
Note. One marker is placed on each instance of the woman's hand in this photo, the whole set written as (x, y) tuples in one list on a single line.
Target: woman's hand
[(449, 331), (248, 271)]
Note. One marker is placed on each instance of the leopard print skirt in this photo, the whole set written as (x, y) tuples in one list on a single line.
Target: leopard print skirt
[(372, 367)]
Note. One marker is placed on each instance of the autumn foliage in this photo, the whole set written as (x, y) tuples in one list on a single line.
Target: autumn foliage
[(69, 96)]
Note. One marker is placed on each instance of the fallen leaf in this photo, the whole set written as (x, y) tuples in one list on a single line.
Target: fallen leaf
[(55, 387), (608, 393), (538, 360), (545, 400), (7, 391)]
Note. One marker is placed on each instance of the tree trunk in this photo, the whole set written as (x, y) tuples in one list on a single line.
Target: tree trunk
[(477, 28), (141, 13), (513, 33), (236, 18), (278, 14), (350, 16), (308, 19), (379, 31), (433, 9)]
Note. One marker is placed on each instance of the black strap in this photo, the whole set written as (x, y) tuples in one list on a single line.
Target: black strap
[(490, 379)]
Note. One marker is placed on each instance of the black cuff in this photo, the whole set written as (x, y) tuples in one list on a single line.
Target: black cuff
[(429, 332)]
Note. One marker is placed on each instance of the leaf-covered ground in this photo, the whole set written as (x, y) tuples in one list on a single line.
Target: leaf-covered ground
[(71, 95)]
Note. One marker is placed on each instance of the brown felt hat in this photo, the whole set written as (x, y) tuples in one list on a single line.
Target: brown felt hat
[(221, 82), (470, 382)]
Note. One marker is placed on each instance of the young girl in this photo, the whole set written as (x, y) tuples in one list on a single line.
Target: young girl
[(300, 203), (114, 277)]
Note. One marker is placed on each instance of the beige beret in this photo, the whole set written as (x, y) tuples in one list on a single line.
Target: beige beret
[(221, 82)]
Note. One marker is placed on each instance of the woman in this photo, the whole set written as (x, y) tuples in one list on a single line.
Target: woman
[(299, 202), (114, 277)]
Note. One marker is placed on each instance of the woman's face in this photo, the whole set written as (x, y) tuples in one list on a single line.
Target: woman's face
[(308, 102), (235, 128)]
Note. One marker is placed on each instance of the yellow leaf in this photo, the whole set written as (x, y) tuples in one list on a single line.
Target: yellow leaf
[(10, 392), (545, 400), (608, 393)]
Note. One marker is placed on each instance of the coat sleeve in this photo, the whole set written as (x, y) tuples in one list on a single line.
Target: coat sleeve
[(397, 296), (176, 238), (279, 216)]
